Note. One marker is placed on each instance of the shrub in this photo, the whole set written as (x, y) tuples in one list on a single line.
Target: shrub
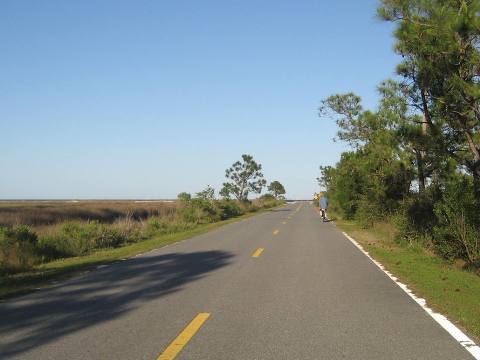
[(229, 209), (267, 197), (156, 225), (250, 206), (415, 218), (200, 211), (159, 226), (368, 213), (184, 197), (108, 236), (178, 226), (129, 230), (457, 234), (77, 239), (18, 248), (267, 202), (49, 248)]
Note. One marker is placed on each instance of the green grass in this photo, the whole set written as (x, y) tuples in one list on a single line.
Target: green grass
[(448, 289), (45, 274)]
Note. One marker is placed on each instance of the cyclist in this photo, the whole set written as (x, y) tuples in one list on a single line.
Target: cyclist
[(323, 207)]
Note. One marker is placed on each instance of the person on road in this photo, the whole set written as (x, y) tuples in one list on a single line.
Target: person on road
[(323, 207)]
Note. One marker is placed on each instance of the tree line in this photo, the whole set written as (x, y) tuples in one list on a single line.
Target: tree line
[(244, 177), (416, 158)]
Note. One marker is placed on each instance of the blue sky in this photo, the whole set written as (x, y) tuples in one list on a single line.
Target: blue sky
[(145, 99)]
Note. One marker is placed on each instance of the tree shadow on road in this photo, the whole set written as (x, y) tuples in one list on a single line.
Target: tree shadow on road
[(37, 319)]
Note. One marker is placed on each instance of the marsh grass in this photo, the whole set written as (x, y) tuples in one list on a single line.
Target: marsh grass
[(33, 255), (41, 213)]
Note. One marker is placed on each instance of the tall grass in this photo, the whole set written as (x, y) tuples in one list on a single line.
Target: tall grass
[(37, 213), (22, 246)]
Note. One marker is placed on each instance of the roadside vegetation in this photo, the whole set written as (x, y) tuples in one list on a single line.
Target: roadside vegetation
[(414, 162), (89, 234)]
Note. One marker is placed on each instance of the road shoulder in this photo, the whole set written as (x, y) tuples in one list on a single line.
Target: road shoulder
[(443, 287)]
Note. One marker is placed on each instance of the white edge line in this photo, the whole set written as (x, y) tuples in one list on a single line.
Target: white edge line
[(454, 331)]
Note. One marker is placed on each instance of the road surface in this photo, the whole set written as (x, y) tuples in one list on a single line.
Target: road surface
[(280, 285)]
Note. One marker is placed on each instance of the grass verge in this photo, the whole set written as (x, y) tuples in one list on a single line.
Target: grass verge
[(62, 269), (448, 289)]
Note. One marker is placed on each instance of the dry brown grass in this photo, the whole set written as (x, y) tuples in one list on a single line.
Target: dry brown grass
[(43, 213)]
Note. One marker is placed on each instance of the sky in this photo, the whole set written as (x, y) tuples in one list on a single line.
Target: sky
[(139, 99)]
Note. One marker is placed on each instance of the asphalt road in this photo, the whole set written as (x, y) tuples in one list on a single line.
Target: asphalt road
[(311, 294)]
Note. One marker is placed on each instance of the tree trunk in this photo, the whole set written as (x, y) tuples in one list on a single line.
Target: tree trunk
[(420, 171), (474, 150), (475, 165), (426, 111), (421, 154)]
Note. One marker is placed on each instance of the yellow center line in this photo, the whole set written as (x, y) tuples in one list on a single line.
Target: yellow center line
[(284, 222), (275, 232), (258, 252), (184, 337)]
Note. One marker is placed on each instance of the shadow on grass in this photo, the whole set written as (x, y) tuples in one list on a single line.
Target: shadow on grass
[(100, 296)]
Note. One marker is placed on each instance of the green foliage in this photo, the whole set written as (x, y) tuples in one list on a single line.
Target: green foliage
[(277, 189), (369, 212), (200, 211), (159, 226), (438, 42), (416, 219), (426, 128), (363, 176), (378, 174), (267, 197), (347, 110), (184, 197), (326, 177), (155, 224), (229, 209), (17, 248), (225, 192), (244, 177), (417, 157), (77, 239), (265, 202), (457, 234), (374, 181), (207, 194)]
